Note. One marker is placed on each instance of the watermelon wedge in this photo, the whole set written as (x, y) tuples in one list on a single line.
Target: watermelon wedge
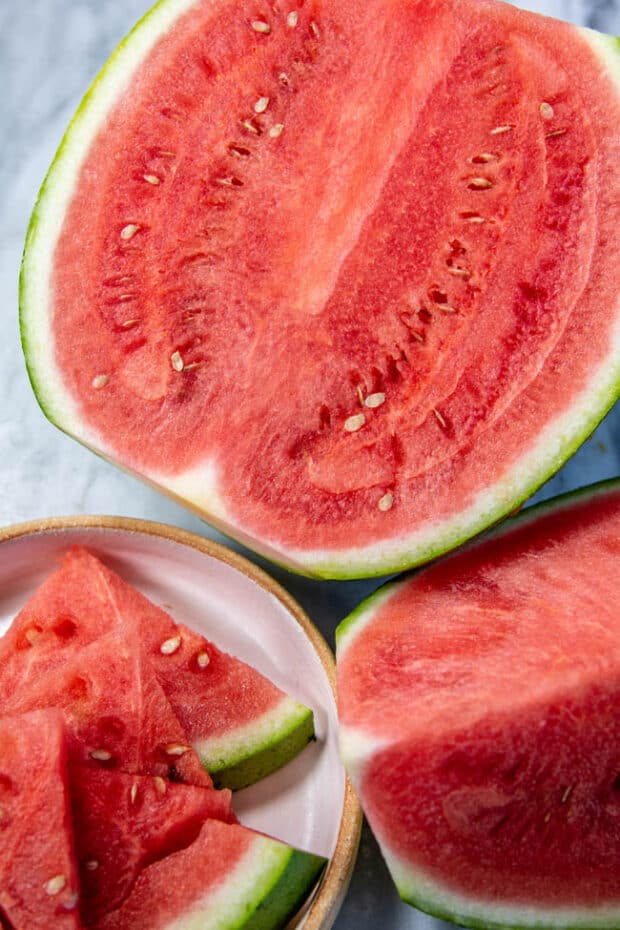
[(242, 726), (117, 715), (296, 288), (230, 878), (479, 703), (122, 823), (38, 877)]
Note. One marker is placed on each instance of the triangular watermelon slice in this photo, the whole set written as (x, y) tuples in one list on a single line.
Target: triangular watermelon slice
[(241, 724), (125, 822), (230, 877), (38, 875), (116, 713)]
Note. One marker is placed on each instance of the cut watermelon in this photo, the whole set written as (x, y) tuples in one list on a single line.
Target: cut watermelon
[(241, 724), (479, 703), (230, 878), (38, 875), (123, 823), (282, 268), (116, 713)]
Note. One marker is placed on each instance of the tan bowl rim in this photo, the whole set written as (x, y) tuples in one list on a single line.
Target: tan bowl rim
[(330, 894)]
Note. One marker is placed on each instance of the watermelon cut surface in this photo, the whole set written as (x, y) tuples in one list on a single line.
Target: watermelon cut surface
[(123, 823), (38, 873), (242, 726), (294, 285), (479, 702), (230, 878)]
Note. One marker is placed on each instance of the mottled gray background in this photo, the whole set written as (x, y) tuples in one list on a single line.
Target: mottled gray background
[(49, 52)]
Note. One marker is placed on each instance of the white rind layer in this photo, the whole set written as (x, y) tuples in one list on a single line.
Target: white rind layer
[(198, 488)]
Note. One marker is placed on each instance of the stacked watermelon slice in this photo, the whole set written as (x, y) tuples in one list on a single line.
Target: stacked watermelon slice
[(115, 717)]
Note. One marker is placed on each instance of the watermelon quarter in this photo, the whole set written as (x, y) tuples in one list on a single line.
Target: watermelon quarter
[(38, 873), (479, 704), (241, 725), (342, 277)]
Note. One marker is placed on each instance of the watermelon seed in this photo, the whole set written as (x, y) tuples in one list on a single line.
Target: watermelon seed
[(100, 755), (259, 26), (176, 749), (100, 381), (459, 272), (167, 154), (360, 394), (32, 635), (447, 308), (129, 231), (70, 904), (546, 110), (440, 419), (419, 337), (91, 865), (500, 129), (385, 502), (292, 19), (556, 132), (249, 125), (124, 298), (472, 217), (176, 361), (129, 324), (261, 104), (567, 793), (276, 130), (484, 158), (170, 646), (203, 659), (239, 151), (191, 366), (152, 179), (55, 885), (315, 29), (352, 424), (283, 77), (479, 184), (133, 794), (375, 400), (160, 784), (547, 817)]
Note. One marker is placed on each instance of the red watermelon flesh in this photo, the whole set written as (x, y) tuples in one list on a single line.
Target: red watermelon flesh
[(122, 823), (304, 297), (479, 704), (84, 600), (38, 874), (116, 713)]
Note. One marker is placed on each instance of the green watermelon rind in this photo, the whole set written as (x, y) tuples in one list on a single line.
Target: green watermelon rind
[(555, 444), (414, 886), (247, 755)]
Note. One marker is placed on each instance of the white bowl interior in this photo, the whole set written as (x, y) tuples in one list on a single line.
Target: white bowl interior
[(302, 803)]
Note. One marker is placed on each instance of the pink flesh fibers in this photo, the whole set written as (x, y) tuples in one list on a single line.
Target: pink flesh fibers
[(501, 778), (293, 274), (34, 803)]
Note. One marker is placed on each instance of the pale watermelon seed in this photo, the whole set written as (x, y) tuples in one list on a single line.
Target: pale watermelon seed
[(129, 231), (160, 784), (170, 646), (247, 124), (276, 130), (125, 298), (203, 659), (91, 865), (176, 749), (352, 424), (100, 755), (484, 158), (360, 394), (176, 360), (385, 502), (55, 885), (292, 19), (447, 308), (100, 381), (500, 129), (315, 29), (546, 110), (479, 184), (152, 179), (472, 217), (440, 419), (283, 77), (32, 635), (458, 271), (70, 904), (239, 151), (133, 794), (556, 132), (260, 26), (547, 817), (191, 366), (129, 324), (261, 104), (418, 336), (567, 793), (375, 400)]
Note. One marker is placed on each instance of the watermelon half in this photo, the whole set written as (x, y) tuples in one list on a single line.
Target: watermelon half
[(479, 703), (241, 725), (282, 267)]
